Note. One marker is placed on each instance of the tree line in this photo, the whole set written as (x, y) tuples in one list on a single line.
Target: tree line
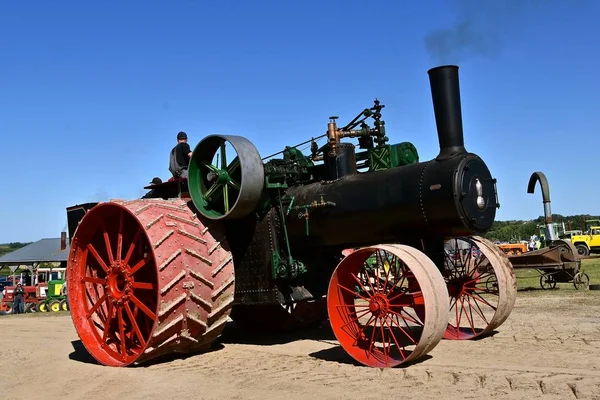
[(516, 230), (6, 248)]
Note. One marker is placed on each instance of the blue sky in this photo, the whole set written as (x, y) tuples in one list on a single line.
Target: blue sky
[(93, 93)]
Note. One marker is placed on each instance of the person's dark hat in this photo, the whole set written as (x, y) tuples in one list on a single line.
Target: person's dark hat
[(156, 181), (181, 135)]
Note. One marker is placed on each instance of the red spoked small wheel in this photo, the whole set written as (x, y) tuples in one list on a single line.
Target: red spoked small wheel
[(147, 278), (481, 284), (372, 300)]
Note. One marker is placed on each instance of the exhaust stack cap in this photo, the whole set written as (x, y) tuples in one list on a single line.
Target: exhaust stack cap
[(445, 94)]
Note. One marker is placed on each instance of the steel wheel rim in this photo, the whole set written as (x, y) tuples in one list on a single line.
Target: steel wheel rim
[(547, 281), (386, 310), (115, 289), (581, 280)]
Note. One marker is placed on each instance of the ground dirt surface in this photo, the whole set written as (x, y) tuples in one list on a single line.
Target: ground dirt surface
[(548, 348)]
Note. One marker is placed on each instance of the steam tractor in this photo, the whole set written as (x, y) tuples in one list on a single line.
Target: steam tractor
[(384, 245)]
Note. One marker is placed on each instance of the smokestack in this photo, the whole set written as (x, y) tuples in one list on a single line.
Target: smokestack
[(445, 93), (63, 240)]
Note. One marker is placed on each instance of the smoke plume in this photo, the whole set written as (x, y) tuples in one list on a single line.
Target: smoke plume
[(479, 26)]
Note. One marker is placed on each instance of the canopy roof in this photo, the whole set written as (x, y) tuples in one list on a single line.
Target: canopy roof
[(44, 250)]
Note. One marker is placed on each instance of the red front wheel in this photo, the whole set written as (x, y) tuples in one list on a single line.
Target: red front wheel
[(372, 300)]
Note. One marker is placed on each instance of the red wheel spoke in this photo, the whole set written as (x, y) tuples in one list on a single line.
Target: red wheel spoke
[(99, 259), (132, 245), (401, 283), (134, 324), (352, 291), (478, 311), (493, 292), (368, 281), (379, 265), (403, 330), (361, 331), (143, 285), (355, 319), (107, 326), (479, 278), (469, 320), (458, 316), (412, 294), (139, 265), (110, 312), (372, 341), (92, 296), (122, 332), (351, 305), (98, 304), (142, 307), (386, 351), (120, 237), (406, 317), (481, 299), (111, 259), (90, 279), (390, 330), (387, 278), (468, 301), (453, 302)]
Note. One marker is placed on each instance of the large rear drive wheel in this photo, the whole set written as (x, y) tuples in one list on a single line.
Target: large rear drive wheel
[(147, 278)]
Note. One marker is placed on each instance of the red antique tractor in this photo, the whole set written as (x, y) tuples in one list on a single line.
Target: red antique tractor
[(384, 246)]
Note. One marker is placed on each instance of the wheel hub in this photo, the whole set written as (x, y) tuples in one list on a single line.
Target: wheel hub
[(220, 177), (379, 305), (119, 283), (458, 286)]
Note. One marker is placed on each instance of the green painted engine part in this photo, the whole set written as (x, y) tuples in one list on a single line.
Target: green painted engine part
[(392, 155)]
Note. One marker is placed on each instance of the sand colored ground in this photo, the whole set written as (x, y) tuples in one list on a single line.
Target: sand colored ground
[(549, 348)]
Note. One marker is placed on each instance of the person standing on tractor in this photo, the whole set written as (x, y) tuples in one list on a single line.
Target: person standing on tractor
[(19, 293), (180, 157)]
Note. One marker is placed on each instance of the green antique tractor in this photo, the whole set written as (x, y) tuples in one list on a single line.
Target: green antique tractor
[(54, 299)]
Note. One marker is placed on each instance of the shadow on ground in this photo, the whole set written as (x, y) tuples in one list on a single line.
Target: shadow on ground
[(233, 334)]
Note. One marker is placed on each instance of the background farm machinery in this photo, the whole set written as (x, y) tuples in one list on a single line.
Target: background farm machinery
[(382, 244), (559, 259), (45, 295)]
